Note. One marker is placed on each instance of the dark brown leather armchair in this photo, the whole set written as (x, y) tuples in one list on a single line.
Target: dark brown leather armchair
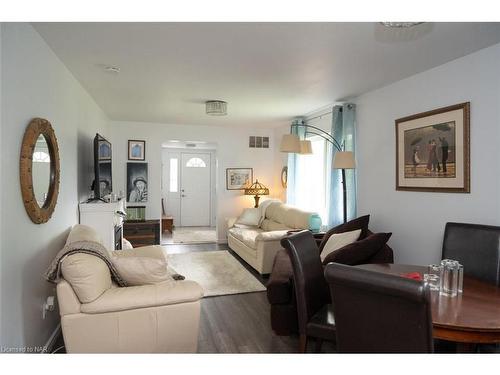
[(280, 289), (379, 313)]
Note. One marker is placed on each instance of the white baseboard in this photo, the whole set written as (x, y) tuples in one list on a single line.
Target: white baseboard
[(49, 345)]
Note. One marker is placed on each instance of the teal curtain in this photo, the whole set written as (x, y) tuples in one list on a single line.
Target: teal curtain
[(343, 130), (290, 191)]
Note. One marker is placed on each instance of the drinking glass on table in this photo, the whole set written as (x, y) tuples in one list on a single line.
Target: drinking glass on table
[(432, 281), (434, 269), (449, 277)]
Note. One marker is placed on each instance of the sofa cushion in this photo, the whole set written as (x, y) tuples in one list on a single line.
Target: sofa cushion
[(142, 265), (290, 216), (81, 232), (269, 225), (339, 240), (87, 274), (279, 286), (245, 235), (358, 223), (359, 252), (250, 216)]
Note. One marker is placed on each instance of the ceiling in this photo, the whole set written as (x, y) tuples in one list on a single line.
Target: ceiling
[(267, 72)]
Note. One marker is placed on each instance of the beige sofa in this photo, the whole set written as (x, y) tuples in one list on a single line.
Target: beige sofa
[(258, 245), (100, 317)]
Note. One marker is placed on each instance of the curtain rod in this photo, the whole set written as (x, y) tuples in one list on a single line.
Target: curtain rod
[(319, 116), (327, 113)]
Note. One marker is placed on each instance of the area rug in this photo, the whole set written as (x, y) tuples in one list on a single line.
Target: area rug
[(193, 235), (218, 272)]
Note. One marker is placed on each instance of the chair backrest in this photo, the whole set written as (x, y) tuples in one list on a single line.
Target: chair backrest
[(379, 313), (311, 289), (475, 246)]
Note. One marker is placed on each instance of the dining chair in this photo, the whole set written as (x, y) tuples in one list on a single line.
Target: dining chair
[(314, 311), (476, 247), (379, 313)]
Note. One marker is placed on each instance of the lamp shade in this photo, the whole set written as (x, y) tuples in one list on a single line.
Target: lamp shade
[(290, 143), (305, 148), (257, 189), (344, 160)]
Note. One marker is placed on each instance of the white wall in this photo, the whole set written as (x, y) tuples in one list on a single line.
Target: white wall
[(417, 219), (36, 84), (232, 151)]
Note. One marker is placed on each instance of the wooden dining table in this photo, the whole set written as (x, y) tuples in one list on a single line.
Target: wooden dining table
[(470, 318)]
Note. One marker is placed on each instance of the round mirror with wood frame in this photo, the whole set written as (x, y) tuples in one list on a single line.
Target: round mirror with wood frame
[(36, 128)]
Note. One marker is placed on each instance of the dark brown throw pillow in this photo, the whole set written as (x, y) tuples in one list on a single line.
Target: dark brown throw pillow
[(355, 224), (359, 252)]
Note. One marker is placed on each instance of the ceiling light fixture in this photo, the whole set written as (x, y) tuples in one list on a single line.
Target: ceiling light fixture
[(400, 25), (216, 108), (112, 69)]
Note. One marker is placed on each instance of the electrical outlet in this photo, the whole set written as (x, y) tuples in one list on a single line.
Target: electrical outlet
[(48, 305)]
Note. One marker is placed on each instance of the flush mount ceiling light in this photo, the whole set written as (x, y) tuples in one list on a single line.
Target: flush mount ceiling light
[(400, 25), (216, 108), (112, 69)]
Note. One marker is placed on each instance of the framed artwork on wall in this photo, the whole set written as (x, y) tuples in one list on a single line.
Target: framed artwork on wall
[(432, 150), (136, 150), (137, 182), (238, 178)]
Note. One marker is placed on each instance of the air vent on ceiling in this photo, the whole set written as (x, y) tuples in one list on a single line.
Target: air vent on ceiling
[(258, 142)]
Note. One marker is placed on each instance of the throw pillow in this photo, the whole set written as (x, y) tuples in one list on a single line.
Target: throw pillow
[(339, 240), (250, 216), (359, 252), (141, 270), (358, 223)]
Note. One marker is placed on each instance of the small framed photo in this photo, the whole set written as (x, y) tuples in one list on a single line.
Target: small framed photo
[(238, 178), (432, 150), (136, 150)]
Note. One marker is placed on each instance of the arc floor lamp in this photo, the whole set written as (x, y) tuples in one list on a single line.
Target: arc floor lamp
[(343, 160)]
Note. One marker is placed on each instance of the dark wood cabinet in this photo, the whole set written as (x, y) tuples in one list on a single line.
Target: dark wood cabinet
[(142, 232)]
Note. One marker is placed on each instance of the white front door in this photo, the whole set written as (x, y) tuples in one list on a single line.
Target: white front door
[(195, 190)]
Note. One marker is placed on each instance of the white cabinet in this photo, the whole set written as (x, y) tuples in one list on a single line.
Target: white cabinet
[(106, 219)]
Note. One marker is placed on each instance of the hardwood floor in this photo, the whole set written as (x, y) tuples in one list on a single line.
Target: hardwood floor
[(239, 323)]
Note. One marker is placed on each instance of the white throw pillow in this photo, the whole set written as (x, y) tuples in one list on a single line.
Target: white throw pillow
[(339, 240), (250, 216), (141, 270)]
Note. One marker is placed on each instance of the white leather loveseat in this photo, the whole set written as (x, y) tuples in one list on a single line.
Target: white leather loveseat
[(99, 317), (258, 245)]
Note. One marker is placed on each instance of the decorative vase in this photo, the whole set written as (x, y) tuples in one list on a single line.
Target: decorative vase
[(314, 223)]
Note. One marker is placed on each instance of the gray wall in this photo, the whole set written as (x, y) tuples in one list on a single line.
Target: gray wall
[(417, 219), (36, 84)]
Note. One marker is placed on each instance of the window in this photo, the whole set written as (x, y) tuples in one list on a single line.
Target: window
[(41, 157), (311, 180), (174, 173), (195, 163)]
